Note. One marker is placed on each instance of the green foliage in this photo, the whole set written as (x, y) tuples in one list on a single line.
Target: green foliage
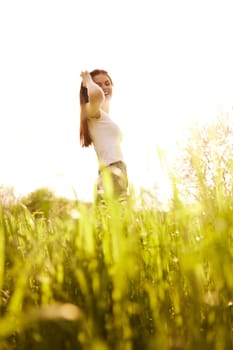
[(7, 196), (43, 203), (116, 277), (205, 159)]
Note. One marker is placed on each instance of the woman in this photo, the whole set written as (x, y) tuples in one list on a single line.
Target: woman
[(98, 129)]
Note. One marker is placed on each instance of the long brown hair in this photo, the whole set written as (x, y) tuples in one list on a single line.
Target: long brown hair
[(85, 138)]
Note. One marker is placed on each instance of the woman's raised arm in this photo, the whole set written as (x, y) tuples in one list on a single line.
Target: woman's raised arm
[(95, 95)]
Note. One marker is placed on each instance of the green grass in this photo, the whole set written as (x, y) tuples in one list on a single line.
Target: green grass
[(118, 278)]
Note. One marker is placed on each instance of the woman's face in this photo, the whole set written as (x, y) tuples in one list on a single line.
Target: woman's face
[(104, 83)]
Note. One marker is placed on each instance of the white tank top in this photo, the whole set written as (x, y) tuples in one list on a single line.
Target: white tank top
[(106, 137)]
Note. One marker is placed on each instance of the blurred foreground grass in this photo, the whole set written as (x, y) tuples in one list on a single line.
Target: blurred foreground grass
[(118, 278)]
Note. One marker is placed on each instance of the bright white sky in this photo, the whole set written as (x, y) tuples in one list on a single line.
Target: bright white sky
[(171, 61)]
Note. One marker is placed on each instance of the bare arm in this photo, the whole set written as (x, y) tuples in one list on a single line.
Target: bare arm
[(95, 95)]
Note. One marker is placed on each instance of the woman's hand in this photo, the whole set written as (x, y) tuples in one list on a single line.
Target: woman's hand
[(86, 78)]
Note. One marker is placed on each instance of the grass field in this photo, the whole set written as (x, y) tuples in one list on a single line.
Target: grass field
[(118, 277)]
